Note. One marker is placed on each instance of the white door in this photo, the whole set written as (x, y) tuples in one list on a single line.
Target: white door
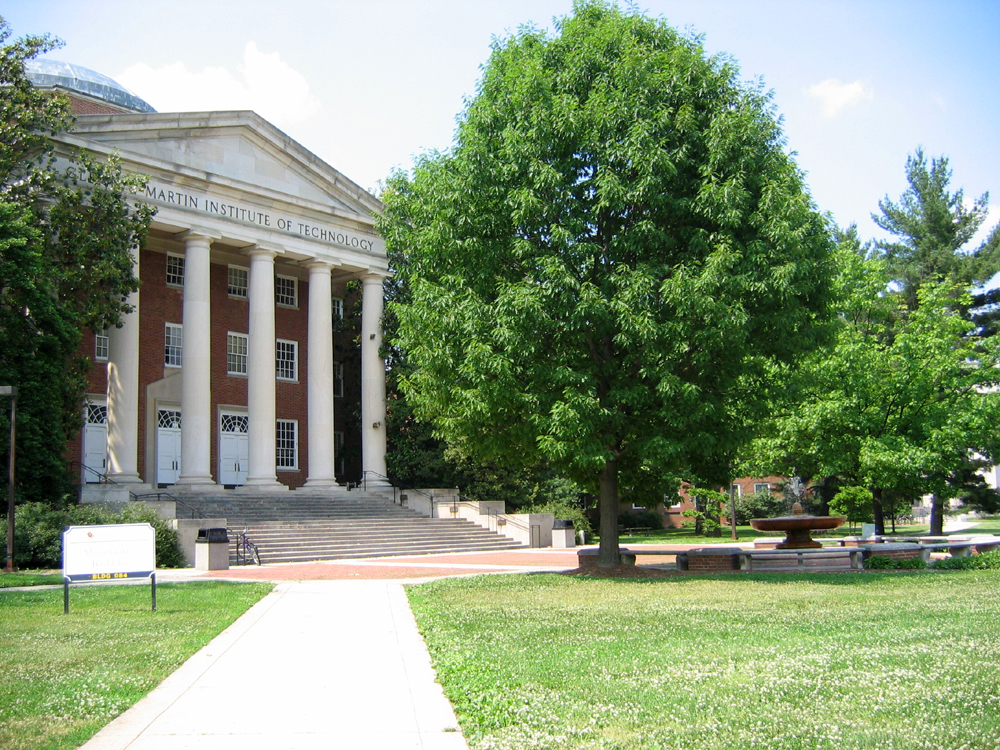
[(168, 446), (95, 442), (234, 449)]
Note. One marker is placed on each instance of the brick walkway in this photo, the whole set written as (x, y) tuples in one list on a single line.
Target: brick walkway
[(394, 568)]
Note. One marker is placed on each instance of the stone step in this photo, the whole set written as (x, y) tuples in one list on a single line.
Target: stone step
[(291, 528)]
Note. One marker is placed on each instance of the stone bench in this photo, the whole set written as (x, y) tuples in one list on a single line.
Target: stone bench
[(799, 559), (698, 559)]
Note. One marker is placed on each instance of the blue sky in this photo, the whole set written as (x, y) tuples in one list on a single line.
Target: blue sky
[(368, 84)]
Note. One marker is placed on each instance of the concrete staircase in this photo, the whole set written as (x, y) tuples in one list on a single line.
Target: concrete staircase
[(294, 527)]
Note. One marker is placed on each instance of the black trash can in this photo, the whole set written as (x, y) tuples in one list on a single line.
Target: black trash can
[(211, 549)]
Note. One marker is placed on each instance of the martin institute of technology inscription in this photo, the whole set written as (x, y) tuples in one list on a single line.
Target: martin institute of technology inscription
[(254, 215)]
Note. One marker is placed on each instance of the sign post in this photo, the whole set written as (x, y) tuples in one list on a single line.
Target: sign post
[(109, 553), (10, 390)]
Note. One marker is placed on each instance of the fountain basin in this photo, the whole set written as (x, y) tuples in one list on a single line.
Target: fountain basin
[(798, 528)]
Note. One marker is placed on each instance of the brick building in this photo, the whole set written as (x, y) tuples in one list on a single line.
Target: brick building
[(233, 370)]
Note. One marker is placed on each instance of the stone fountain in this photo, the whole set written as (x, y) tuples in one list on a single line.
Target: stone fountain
[(798, 527)]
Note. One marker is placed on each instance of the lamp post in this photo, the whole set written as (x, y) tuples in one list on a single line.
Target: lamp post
[(10, 390)]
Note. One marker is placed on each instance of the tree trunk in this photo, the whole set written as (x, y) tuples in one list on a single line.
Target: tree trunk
[(608, 555), (937, 516), (877, 510)]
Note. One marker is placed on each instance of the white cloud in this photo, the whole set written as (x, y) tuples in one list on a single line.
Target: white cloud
[(263, 82), (836, 95)]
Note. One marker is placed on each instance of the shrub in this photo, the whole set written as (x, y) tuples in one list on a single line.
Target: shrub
[(39, 528), (882, 562), (853, 502), (562, 509), (758, 505), (986, 561)]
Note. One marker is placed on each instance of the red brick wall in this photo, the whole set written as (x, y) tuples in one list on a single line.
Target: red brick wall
[(160, 304), (81, 106), (292, 324), (97, 384)]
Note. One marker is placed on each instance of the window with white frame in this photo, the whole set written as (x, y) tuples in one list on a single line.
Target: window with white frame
[(338, 379), (175, 269), (237, 346), (338, 308), (735, 490), (239, 281), (761, 487), (101, 345), (287, 455), (286, 291), (285, 358), (173, 344), (338, 452)]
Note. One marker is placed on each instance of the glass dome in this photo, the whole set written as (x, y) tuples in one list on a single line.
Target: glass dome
[(84, 81)]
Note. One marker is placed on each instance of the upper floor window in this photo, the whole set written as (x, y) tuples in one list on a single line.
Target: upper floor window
[(761, 487), (175, 270), (101, 345), (286, 291), (237, 346), (286, 360), (338, 378), (239, 281), (173, 344)]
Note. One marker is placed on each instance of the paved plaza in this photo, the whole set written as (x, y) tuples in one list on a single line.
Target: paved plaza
[(330, 659)]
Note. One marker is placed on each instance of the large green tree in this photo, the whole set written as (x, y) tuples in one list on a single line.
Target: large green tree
[(66, 231), (615, 247)]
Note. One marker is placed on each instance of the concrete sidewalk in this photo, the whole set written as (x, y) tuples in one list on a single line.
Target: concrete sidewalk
[(315, 664)]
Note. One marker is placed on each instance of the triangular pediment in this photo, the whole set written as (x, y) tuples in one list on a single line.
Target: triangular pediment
[(240, 149)]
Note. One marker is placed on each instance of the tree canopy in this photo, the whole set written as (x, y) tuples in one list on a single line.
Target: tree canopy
[(615, 247), (66, 232)]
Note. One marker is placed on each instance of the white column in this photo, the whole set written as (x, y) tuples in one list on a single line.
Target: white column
[(260, 371), (320, 377), (123, 394), (196, 361), (372, 382)]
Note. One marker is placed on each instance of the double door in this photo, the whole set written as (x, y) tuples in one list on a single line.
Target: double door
[(234, 448)]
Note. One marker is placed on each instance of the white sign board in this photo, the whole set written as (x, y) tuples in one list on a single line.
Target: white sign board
[(106, 553)]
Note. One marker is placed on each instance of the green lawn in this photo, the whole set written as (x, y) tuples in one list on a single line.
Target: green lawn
[(30, 578), (63, 677), (875, 660)]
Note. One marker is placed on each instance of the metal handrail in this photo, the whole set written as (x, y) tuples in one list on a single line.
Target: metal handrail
[(102, 478), (195, 512), (396, 491), (364, 478)]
